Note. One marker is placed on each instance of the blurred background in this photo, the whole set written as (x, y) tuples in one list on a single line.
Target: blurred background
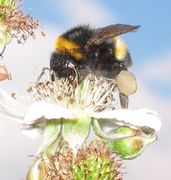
[(150, 48)]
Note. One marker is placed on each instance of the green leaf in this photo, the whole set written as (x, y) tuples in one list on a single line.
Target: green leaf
[(76, 131)]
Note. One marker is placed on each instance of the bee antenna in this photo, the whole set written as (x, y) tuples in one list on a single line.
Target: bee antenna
[(43, 73)]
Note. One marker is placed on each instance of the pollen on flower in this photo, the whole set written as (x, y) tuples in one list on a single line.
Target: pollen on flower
[(93, 161), (18, 24), (97, 161), (93, 94), (57, 166)]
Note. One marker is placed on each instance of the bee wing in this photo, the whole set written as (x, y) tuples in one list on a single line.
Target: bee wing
[(108, 32)]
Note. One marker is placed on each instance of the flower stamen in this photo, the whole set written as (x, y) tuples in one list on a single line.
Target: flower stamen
[(93, 94)]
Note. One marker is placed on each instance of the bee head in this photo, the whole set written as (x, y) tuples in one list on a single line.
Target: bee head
[(63, 66), (82, 50)]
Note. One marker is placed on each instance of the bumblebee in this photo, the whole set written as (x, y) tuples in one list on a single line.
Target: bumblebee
[(83, 50)]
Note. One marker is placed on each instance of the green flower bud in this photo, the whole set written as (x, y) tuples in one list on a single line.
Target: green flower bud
[(131, 147)]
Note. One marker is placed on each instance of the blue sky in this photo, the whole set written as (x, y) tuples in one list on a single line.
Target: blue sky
[(150, 41), (150, 48), (154, 16)]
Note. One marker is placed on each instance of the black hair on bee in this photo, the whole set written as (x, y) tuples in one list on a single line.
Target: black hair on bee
[(83, 50), (101, 52)]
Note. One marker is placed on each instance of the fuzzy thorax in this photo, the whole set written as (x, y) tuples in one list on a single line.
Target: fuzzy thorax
[(62, 44)]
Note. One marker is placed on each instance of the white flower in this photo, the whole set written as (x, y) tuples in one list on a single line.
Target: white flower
[(34, 117), (59, 100), (138, 118)]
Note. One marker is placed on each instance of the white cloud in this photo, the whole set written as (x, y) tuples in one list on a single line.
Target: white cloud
[(158, 68), (24, 61), (21, 61), (85, 12), (145, 98), (154, 163)]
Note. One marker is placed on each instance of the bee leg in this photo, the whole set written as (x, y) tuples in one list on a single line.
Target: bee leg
[(42, 74), (124, 101)]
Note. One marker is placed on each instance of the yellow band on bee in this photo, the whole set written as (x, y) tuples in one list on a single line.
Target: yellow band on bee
[(120, 49), (63, 44)]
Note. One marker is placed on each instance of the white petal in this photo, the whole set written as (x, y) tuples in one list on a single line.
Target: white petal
[(46, 110), (11, 107), (32, 133), (139, 117)]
